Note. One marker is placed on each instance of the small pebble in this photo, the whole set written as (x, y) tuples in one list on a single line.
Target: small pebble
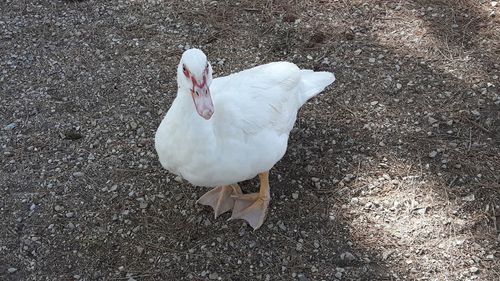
[(295, 195), (70, 214), (281, 225), (11, 126), (433, 154), (371, 60), (316, 244), (348, 177), (347, 256), (309, 168), (12, 270), (431, 120), (302, 277), (469, 198), (139, 249)]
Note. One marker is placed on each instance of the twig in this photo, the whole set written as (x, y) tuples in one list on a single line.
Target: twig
[(134, 276), (252, 10), (267, 30), (130, 170), (446, 189), (322, 56), (392, 18), (470, 139), (476, 124), (346, 148), (346, 108), (495, 220)]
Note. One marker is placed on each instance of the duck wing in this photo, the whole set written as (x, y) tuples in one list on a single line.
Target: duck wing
[(265, 97)]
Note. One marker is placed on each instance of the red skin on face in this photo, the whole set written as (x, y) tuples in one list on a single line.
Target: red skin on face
[(195, 83)]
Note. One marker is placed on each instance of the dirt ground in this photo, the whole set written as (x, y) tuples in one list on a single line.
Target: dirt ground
[(393, 173)]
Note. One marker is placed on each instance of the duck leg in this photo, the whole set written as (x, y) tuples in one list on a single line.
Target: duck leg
[(220, 198), (253, 207)]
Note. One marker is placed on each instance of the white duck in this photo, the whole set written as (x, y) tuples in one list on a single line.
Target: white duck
[(229, 129)]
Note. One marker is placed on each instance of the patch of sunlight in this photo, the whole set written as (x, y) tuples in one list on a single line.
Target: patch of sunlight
[(410, 35), (405, 219)]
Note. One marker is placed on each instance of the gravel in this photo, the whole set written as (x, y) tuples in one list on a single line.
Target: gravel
[(86, 83)]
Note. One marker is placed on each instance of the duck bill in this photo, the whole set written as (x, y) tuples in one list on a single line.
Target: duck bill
[(203, 102)]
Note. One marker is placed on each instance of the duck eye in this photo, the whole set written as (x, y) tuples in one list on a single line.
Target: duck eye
[(185, 71)]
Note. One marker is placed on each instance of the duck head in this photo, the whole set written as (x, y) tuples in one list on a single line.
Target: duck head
[(194, 76)]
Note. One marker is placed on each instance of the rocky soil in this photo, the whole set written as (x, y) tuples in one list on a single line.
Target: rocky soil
[(393, 173)]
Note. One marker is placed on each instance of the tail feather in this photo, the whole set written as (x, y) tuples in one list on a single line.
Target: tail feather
[(312, 83)]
